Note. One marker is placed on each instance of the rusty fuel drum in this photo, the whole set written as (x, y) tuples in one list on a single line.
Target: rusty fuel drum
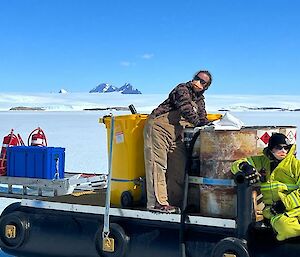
[(215, 151)]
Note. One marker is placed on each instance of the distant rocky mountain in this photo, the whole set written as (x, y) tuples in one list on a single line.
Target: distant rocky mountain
[(103, 88), (127, 88), (25, 108), (63, 91)]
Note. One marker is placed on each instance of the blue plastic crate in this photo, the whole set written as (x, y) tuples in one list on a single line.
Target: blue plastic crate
[(36, 162)]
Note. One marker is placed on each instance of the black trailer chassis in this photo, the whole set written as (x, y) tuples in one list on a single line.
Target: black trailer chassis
[(42, 228)]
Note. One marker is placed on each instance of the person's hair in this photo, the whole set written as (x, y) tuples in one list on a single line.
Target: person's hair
[(207, 73)]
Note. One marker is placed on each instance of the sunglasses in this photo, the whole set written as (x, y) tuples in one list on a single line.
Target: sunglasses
[(202, 81), (280, 147)]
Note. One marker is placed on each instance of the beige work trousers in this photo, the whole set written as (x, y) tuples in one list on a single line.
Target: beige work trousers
[(165, 158)]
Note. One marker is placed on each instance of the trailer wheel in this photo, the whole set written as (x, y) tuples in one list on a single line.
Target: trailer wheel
[(121, 241), (10, 208), (126, 199), (230, 246), (14, 229)]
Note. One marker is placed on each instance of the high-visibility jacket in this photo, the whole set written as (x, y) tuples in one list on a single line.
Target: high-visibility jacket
[(281, 184)]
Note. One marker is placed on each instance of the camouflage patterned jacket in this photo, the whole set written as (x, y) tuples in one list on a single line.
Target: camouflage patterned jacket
[(187, 101)]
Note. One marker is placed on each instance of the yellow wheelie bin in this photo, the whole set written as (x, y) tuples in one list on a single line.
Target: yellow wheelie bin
[(128, 169)]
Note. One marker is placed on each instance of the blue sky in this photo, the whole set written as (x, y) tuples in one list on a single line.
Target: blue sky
[(250, 47)]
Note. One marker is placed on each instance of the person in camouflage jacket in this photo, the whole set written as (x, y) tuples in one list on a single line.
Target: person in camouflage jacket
[(164, 149)]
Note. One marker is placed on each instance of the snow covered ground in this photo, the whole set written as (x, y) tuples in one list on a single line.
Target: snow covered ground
[(67, 125), (143, 103)]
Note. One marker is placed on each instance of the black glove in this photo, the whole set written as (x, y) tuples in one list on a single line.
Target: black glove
[(201, 124), (249, 172), (278, 207)]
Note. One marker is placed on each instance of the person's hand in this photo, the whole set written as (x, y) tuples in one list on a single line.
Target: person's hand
[(278, 207), (250, 173)]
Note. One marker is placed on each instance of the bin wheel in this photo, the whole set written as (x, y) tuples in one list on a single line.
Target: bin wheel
[(230, 246), (121, 241), (126, 199), (14, 228)]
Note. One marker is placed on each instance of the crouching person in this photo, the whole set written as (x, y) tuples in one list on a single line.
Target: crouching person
[(279, 184)]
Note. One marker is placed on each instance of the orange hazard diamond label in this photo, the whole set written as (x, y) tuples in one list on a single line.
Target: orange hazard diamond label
[(265, 137)]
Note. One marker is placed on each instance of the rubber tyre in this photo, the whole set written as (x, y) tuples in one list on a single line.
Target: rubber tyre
[(126, 199), (11, 208), (22, 224), (121, 241), (230, 245)]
